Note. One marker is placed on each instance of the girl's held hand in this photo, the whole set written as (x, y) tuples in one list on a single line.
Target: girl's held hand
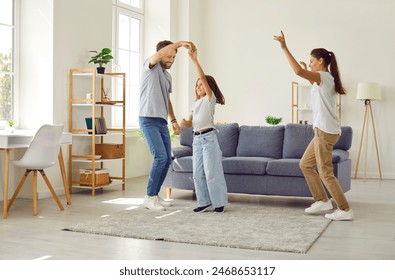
[(303, 64), (186, 123), (188, 45), (193, 54)]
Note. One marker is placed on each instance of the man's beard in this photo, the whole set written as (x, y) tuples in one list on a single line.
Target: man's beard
[(166, 65)]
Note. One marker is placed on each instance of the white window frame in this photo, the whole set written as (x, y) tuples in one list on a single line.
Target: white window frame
[(121, 8), (15, 61), (130, 7)]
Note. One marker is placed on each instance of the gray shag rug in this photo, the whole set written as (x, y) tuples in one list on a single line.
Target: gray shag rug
[(242, 225)]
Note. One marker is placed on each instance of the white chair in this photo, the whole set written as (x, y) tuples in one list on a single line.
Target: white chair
[(42, 153)]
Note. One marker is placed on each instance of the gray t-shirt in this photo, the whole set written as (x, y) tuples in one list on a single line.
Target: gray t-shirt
[(154, 92), (203, 113)]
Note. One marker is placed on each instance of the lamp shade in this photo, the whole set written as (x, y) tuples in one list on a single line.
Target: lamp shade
[(369, 91)]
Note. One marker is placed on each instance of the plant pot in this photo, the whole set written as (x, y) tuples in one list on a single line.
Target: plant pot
[(100, 70)]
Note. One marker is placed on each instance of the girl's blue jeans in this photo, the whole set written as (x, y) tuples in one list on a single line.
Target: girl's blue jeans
[(208, 174), (157, 134)]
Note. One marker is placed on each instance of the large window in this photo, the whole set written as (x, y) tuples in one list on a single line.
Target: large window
[(7, 69), (128, 22)]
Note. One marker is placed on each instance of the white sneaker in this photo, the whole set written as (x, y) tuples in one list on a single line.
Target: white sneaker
[(165, 203), (152, 203), (340, 215), (319, 207)]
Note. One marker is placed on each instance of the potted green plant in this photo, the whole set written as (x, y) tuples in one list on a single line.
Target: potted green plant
[(11, 125), (101, 58), (273, 120)]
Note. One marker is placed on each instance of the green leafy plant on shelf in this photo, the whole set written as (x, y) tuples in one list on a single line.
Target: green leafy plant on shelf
[(101, 58), (273, 120)]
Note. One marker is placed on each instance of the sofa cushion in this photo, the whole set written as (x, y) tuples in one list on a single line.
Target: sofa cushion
[(284, 167), (261, 141), (245, 165), (228, 137), (186, 136), (339, 155), (181, 151), (183, 164), (298, 136), (296, 139), (290, 166), (345, 140)]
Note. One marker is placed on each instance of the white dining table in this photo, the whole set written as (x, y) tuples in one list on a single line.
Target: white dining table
[(21, 138)]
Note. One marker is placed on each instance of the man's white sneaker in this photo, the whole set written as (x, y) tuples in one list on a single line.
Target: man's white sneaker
[(152, 203), (340, 215), (319, 207), (165, 203)]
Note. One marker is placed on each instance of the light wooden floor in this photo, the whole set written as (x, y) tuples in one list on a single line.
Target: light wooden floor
[(24, 237)]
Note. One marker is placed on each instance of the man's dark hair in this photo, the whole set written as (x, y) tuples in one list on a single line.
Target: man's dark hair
[(163, 44)]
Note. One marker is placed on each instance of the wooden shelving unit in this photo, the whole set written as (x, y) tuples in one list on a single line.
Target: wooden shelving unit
[(80, 106), (302, 110)]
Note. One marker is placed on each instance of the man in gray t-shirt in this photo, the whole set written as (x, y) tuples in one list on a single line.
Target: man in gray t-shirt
[(155, 109)]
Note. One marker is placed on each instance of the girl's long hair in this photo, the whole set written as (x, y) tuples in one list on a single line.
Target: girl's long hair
[(214, 87), (331, 63)]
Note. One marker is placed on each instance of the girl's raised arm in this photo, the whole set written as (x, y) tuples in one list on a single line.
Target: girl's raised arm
[(202, 76)]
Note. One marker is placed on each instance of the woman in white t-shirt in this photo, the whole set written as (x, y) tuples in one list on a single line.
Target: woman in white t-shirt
[(326, 84), (208, 174)]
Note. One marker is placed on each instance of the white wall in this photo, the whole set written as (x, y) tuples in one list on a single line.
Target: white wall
[(36, 63), (79, 26), (235, 43)]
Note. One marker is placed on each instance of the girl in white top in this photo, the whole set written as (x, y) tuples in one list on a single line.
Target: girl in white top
[(326, 84), (208, 174)]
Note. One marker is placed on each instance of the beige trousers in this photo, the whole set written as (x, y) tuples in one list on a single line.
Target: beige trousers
[(319, 153)]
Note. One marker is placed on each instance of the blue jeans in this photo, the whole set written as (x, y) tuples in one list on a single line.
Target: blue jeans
[(157, 134), (208, 174)]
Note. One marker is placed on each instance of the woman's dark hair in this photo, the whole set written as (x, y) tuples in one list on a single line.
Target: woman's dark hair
[(163, 44), (214, 87), (330, 62)]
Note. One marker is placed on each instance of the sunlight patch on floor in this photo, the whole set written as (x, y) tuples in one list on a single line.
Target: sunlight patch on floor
[(42, 258), (125, 201)]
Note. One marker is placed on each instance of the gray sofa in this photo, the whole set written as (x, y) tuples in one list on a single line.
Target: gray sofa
[(261, 159)]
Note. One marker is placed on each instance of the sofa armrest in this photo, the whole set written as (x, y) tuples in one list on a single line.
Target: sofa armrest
[(181, 151), (339, 155)]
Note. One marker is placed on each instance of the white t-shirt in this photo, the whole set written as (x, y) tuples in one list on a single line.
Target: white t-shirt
[(323, 100), (203, 113)]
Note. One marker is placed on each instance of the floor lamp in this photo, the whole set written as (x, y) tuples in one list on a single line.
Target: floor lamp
[(368, 92)]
